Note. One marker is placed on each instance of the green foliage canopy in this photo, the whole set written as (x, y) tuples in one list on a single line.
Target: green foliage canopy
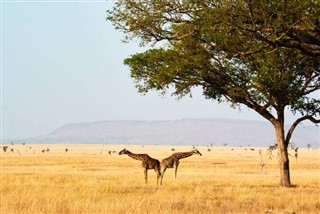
[(262, 54)]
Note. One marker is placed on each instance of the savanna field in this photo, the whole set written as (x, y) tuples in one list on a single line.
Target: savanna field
[(87, 179)]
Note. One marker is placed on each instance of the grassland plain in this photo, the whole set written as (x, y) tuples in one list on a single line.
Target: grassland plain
[(87, 179)]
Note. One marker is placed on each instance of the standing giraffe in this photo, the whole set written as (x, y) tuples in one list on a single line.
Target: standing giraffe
[(173, 161), (147, 163)]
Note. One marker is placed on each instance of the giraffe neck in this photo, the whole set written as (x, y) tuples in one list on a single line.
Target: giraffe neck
[(184, 154), (135, 156)]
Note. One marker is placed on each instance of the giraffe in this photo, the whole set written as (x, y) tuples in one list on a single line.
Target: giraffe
[(173, 161), (147, 163)]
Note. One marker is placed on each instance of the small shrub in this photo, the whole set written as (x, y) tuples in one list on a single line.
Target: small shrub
[(5, 148)]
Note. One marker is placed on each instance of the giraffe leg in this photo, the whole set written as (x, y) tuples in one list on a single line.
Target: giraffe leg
[(146, 175), (158, 176), (162, 174), (158, 171), (176, 170)]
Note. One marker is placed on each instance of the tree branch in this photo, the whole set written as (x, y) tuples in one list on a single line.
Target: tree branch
[(312, 90), (262, 110), (296, 123)]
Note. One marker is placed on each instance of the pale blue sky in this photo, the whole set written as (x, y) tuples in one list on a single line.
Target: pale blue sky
[(62, 63)]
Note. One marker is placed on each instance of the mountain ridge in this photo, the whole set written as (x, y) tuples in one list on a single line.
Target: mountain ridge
[(214, 132)]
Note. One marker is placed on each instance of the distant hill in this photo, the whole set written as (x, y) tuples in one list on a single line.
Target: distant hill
[(216, 132)]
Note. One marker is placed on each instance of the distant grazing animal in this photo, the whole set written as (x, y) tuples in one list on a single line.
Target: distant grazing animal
[(173, 161), (147, 163)]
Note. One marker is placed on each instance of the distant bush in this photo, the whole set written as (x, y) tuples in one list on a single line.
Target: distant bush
[(5, 148)]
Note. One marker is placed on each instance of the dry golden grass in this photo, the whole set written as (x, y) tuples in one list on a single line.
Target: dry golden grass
[(86, 179)]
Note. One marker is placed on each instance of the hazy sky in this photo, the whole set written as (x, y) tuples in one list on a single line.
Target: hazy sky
[(62, 63)]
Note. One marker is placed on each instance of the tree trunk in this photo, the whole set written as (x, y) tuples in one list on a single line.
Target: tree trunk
[(283, 156)]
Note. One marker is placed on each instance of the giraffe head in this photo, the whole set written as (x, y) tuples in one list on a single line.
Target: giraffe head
[(123, 152), (196, 152)]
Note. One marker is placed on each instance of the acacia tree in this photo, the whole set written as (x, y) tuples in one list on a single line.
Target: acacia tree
[(261, 54)]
